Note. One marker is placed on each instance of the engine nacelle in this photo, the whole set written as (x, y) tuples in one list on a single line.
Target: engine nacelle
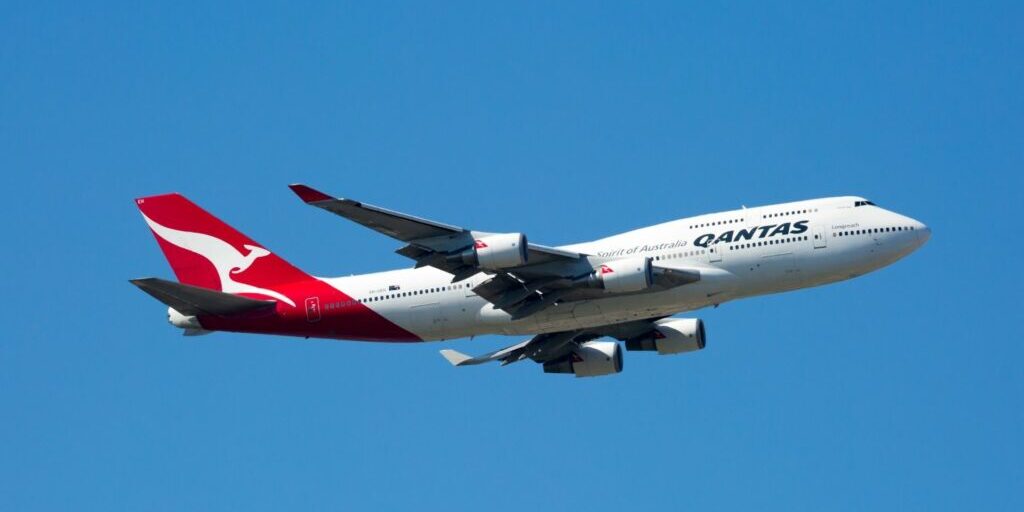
[(497, 251), (591, 359), (623, 276), (672, 336)]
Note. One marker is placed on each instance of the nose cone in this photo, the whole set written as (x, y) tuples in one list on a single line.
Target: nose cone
[(910, 233), (923, 232)]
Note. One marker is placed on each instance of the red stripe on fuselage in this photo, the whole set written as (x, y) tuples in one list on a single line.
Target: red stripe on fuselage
[(354, 321)]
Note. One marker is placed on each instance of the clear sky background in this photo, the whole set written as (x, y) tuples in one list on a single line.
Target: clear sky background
[(568, 121)]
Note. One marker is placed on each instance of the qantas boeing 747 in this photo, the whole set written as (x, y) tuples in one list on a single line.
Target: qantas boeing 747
[(466, 283)]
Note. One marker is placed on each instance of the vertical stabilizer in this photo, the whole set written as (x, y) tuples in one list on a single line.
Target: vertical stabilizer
[(203, 251)]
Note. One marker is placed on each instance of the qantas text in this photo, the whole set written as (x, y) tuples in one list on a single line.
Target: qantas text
[(786, 228)]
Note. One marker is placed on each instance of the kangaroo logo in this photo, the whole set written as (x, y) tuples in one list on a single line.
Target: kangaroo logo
[(227, 260)]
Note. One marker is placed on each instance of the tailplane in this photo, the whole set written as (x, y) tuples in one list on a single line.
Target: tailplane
[(193, 300)]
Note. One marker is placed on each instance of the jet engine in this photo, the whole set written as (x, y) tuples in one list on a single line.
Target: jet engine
[(591, 359), (671, 336), (622, 276), (496, 251)]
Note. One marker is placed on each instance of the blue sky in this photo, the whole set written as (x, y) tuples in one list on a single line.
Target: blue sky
[(568, 121)]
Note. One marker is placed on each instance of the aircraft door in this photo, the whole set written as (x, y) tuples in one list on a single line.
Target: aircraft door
[(715, 253), (820, 242)]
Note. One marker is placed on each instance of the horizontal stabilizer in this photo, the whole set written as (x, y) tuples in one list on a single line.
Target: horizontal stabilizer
[(193, 300)]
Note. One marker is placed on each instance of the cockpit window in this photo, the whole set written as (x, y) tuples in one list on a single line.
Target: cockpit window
[(864, 203)]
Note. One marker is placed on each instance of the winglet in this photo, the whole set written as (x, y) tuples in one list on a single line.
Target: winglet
[(309, 194), (455, 357)]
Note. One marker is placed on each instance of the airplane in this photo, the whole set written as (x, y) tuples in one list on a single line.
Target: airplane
[(576, 302)]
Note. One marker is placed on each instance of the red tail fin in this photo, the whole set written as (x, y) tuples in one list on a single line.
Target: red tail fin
[(204, 251)]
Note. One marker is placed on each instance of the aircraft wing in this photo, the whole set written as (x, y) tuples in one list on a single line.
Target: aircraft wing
[(426, 237), (406, 228), (552, 346), (534, 280)]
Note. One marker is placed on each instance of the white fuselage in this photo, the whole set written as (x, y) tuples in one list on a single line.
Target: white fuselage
[(739, 253)]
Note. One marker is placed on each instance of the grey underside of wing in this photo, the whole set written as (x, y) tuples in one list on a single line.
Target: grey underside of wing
[(193, 300), (551, 346), (540, 348)]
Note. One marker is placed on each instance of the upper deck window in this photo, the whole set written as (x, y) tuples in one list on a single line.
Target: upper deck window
[(864, 203)]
